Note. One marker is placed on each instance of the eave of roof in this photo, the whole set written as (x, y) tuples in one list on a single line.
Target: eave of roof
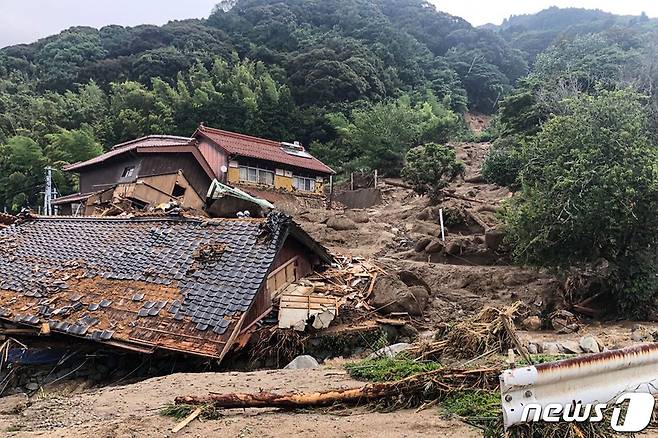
[(259, 148)]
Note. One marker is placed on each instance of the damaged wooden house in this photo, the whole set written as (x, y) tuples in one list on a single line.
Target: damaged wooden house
[(264, 168), (141, 173), (151, 283), (158, 169)]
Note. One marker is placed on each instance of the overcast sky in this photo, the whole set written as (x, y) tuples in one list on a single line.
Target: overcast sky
[(23, 21)]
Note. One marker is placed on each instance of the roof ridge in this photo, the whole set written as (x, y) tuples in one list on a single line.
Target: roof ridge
[(150, 136), (239, 135)]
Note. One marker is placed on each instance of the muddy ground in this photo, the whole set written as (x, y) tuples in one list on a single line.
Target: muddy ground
[(132, 411)]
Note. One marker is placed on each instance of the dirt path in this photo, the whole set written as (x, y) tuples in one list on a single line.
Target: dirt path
[(132, 411)]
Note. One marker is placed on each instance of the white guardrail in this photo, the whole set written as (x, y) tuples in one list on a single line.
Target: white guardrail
[(586, 380)]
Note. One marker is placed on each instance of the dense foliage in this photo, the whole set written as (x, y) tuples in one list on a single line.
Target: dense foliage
[(325, 72), (430, 167), (589, 190), (379, 135)]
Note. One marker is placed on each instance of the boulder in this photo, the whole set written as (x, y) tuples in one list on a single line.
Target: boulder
[(453, 247), (494, 238), (551, 348), (341, 223), (391, 351), (302, 362), (411, 279), (589, 344), (533, 348), (426, 228), (422, 244), (531, 323), (571, 347), (434, 246), (390, 294)]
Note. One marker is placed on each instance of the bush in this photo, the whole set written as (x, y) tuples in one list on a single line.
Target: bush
[(589, 192), (504, 162), (388, 369), (429, 168)]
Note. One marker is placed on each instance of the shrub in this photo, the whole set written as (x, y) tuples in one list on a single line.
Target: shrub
[(388, 369), (504, 162), (429, 168)]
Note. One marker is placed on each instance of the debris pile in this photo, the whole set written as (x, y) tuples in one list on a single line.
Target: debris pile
[(317, 300), (490, 332)]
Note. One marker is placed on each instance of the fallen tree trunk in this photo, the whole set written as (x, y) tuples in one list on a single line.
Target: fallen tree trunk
[(432, 384)]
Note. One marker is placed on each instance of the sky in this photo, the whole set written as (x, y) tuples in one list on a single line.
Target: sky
[(24, 21)]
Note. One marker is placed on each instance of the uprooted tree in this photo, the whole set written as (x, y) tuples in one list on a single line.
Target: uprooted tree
[(589, 191), (430, 167)]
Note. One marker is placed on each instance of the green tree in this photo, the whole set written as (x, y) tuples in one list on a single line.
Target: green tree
[(430, 167), (590, 191), (378, 136), (21, 172)]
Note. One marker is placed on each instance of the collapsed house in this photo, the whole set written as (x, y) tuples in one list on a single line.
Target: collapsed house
[(150, 284), (158, 169), (140, 173)]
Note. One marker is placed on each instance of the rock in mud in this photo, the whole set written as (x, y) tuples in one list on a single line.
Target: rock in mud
[(341, 223), (391, 351), (494, 238), (435, 246), (411, 279), (422, 244), (14, 404), (531, 323), (426, 228), (302, 362), (390, 295), (358, 216), (453, 248), (589, 344)]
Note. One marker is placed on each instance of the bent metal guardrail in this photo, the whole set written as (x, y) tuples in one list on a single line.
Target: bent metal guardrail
[(592, 379)]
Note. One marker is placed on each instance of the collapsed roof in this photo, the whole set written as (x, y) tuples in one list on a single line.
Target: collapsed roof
[(142, 283), (148, 144)]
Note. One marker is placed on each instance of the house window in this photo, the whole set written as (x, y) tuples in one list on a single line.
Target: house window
[(256, 175), (128, 172), (303, 184)]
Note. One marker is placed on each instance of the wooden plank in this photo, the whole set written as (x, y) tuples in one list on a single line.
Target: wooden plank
[(187, 420)]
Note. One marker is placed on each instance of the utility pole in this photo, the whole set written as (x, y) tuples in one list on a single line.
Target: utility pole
[(48, 192)]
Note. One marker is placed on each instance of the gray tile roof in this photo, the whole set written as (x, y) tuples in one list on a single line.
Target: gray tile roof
[(168, 282)]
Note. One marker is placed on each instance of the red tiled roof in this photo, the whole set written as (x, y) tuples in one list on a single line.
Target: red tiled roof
[(260, 148), (150, 141)]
